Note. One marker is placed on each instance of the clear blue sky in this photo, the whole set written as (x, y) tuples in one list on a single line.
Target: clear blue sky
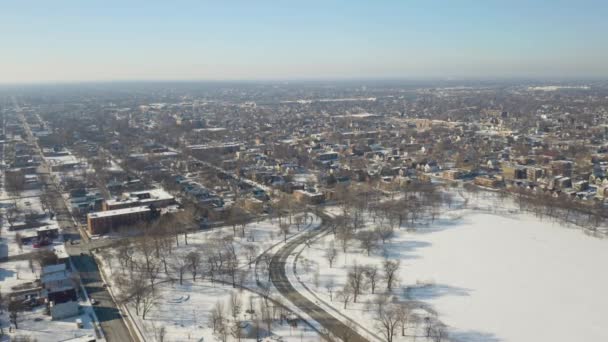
[(224, 39)]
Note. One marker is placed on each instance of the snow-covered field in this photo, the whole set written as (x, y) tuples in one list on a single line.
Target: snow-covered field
[(491, 274), (511, 278)]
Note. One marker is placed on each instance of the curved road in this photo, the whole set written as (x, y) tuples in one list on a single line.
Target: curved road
[(279, 278)]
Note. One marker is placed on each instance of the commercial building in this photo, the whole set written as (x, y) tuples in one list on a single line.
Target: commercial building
[(157, 198), (103, 221)]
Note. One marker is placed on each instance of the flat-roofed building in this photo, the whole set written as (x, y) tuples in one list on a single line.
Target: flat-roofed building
[(534, 173), (155, 197), (103, 221)]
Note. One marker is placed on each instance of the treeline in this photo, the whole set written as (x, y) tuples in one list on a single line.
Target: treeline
[(561, 207)]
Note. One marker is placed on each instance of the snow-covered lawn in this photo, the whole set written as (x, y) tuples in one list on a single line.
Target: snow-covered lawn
[(185, 313), (491, 275)]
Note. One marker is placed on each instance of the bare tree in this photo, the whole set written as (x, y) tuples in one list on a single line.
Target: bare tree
[(331, 254), (266, 314), (11, 214), (231, 266), (14, 183), (403, 314), (193, 259), (218, 322), (367, 240), (329, 285), (284, 230), (387, 321), (252, 252), (179, 266), (14, 308), (19, 240), (235, 304), (298, 221), (148, 301), (236, 330), (216, 316), (384, 232), (345, 234), (134, 290), (371, 272), (151, 267), (162, 332), (345, 295), (356, 280), (390, 273)]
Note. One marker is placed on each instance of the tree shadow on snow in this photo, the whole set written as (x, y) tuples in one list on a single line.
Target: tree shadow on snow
[(431, 291), (5, 273), (473, 336), (3, 250), (438, 225), (404, 249)]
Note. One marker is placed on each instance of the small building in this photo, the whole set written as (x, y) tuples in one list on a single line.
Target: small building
[(488, 181), (309, 197), (452, 174), (62, 255), (60, 291), (581, 185), (534, 173), (47, 232), (254, 205), (512, 172)]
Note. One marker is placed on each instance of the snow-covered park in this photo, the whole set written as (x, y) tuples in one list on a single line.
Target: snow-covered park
[(185, 310), (487, 271)]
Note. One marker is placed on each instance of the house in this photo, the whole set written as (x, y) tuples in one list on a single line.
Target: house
[(309, 197), (452, 174)]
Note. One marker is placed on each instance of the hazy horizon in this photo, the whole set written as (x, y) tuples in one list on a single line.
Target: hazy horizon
[(105, 41)]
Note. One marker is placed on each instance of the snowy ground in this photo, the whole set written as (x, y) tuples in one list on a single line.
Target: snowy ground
[(184, 310), (490, 272), (511, 278)]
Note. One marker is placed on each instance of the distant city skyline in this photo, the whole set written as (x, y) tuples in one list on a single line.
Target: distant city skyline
[(71, 41)]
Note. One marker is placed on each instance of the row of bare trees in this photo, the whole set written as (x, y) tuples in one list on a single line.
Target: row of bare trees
[(561, 207), (230, 318)]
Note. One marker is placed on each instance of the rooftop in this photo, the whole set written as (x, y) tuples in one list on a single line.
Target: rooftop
[(122, 211)]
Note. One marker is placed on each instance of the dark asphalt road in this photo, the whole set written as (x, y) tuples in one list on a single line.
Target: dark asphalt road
[(281, 282), (109, 316)]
